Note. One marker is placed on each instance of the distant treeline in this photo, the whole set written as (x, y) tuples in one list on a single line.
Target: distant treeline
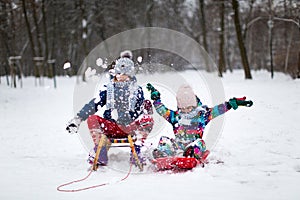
[(39, 36)]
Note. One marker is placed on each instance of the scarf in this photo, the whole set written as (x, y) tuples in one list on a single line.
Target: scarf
[(122, 95), (190, 118)]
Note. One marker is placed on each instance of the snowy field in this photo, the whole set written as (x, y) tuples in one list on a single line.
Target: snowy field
[(260, 148)]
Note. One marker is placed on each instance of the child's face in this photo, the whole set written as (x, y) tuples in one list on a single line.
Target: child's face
[(122, 77), (187, 109)]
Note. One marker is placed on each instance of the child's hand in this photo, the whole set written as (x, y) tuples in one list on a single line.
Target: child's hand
[(236, 102), (150, 87), (155, 95), (73, 125)]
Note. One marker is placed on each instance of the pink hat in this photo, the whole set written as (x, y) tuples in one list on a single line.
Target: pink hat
[(186, 97)]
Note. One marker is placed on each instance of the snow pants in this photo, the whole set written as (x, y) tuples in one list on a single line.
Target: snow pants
[(173, 147), (98, 125)]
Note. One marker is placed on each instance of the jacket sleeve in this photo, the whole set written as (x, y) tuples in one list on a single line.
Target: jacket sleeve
[(92, 107), (138, 105), (168, 114), (218, 110), (140, 99)]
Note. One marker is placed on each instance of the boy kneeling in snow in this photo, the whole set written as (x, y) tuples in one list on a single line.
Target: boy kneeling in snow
[(188, 122)]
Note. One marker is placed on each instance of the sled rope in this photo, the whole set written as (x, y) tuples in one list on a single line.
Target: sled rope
[(59, 188), (102, 141)]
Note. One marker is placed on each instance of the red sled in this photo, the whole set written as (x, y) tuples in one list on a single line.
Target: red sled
[(179, 163), (175, 163)]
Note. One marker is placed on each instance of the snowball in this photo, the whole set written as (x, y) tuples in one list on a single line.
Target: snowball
[(99, 62), (67, 65), (140, 59)]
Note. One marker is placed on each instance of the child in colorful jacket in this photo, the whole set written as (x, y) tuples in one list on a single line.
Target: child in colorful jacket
[(188, 122), (127, 111)]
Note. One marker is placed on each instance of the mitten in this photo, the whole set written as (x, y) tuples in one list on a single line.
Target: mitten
[(145, 121), (233, 103), (73, 125), (155, 95), (236, 102)]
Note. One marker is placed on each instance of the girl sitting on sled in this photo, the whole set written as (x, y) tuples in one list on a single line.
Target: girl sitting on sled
[(188, 122)]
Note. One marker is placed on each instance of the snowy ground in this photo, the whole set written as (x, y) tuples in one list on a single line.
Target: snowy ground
[(260, 147)]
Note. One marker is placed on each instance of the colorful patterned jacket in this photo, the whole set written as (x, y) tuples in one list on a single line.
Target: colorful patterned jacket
[(190, 127)]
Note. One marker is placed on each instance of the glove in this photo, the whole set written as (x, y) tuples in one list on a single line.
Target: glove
[(155, 95), (236, 102), (145, 121), (233, 103), (73, 125)]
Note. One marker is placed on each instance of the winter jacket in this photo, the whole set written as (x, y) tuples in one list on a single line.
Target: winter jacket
[(125, 101), (190, 126)]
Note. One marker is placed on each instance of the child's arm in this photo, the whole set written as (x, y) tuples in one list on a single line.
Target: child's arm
[(218, 110), (232, 103), (92, 107), (87, 110), (160, 108), (165, 112)]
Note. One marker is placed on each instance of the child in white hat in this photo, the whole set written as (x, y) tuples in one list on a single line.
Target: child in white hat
[(127, 111)]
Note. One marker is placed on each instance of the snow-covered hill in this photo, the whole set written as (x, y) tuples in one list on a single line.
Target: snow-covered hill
[(260, 148)]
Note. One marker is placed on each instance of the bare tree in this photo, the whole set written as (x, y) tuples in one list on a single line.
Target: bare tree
[(33, 54), (5, 51), (221, 65), (49, 70), (64, 30), (203, 24), (241, 44), (298, 72), (270, 33)]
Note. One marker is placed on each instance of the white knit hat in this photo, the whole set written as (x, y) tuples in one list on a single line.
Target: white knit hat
[(124, 66), (126, 54), (186, 97)]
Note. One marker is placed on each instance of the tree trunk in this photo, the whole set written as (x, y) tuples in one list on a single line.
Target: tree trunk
[(204, 32), (84, 34), (4, 37), (83, 27), (251, 4), (53, 35), (298, 75), (203, 24), (271, 51), (37, 28), (36, 70), (149, 23), (222, 64), (13, 32), (49, 67), (235, 6), (270, 26), (38, 38)]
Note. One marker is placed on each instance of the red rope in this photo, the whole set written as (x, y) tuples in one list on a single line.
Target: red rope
[(90, 187)]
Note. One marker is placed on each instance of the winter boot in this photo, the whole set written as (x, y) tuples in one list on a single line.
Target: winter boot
[(167, 147), (141, 156), (103, 158), (196, 149)]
